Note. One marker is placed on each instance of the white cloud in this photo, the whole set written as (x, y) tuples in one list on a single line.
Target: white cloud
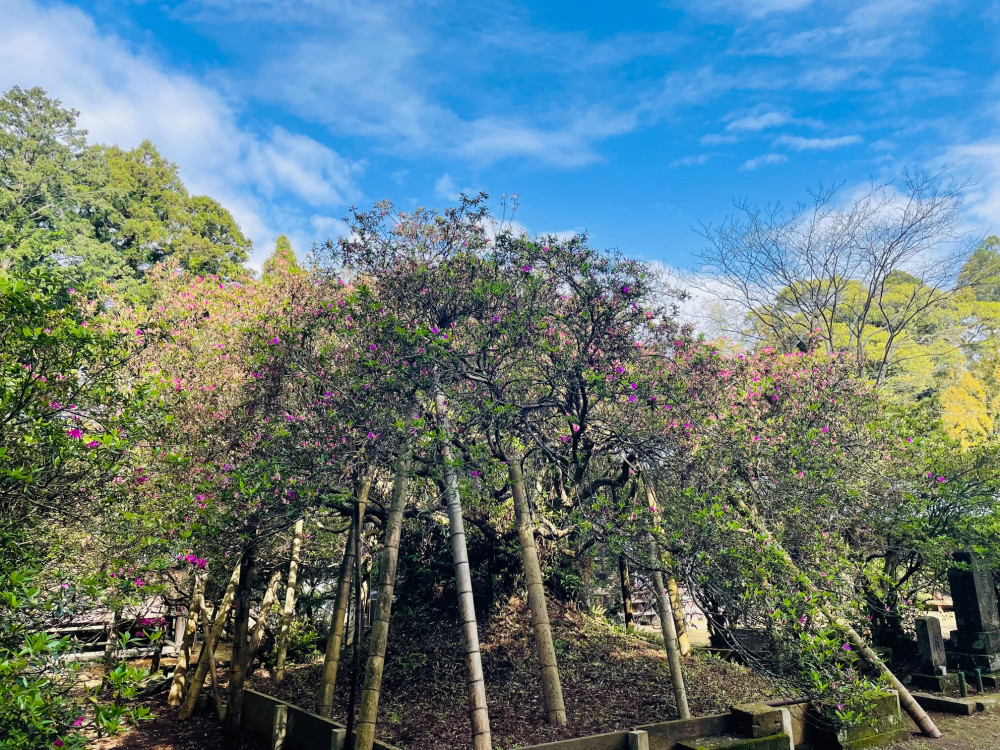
[(690, 161), (714, 139), (758, 122), (125, 95), (748, 8), (446, 189), (981, 162), (798, 143), (764, 159), (399, 176), (705, 308)]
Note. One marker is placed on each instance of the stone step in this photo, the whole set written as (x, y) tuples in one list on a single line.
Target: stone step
[(732, 742)]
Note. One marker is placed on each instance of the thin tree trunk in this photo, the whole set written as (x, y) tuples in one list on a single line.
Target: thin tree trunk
[(544, 648), (371, 692), (869, 657), (178, 680), (201, 672), (678, 609), (356, 643), (667, 624), (335, 640), (626, 582), (209, 649), (286, 615), (239, 662), (481, 737), (270, 596), (671, 645), (109, 646)]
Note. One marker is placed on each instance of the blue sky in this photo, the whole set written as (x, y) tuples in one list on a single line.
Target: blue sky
[(634, 121)]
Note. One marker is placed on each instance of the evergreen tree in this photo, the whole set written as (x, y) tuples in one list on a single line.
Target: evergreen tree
[(282, 257)]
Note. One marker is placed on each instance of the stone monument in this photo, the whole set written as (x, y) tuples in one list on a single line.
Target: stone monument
[(932, 673), (975, 643)]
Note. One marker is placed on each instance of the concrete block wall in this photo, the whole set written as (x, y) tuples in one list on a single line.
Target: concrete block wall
[(283, 726)]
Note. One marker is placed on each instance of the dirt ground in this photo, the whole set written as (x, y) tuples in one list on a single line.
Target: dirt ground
[(976, 732)]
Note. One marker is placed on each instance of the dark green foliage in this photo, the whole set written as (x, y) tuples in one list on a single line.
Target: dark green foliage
[(90, 214)]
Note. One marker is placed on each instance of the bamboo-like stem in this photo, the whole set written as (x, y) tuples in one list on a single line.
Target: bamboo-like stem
[(545, 650), (869, 657), (201, 672), (210, 650), (678, 609), (479, 713), (179, 678), (667, 624), (286, 615), (377, 641), (270, 597), (335, 640)]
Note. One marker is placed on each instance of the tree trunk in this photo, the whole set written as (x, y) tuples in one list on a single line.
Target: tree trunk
[(667, 624), (239, 662), (544, 649), (335, 640), (201, 672), (670, 644), (626, 582), (678, 609), (869, 657), (356, 642), (371, 692), (209, 649), (270, 596), (286, 615), (178, 680), (109, 646), (481, 738)]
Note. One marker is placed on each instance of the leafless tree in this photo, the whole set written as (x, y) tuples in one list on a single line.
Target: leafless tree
[(818, 275)]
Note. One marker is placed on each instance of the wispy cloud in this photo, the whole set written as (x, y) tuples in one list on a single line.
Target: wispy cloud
[(799, 143), (747, 8), (763, 160), (757, 122), (445, 188), (690, 161), (715, 139)]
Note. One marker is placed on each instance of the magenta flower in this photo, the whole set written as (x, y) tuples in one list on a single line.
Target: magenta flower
[(847, 647), (74, 433)]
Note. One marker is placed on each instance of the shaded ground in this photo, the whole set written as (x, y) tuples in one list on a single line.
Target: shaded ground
[(611, 680), (976, 732)]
